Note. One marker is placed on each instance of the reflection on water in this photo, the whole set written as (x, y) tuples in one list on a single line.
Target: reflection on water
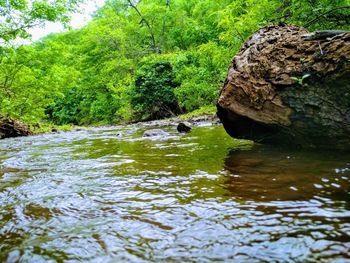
[(109, 195), (266, 173)]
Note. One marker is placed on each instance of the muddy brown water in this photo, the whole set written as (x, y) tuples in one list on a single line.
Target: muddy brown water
[(109, 195)]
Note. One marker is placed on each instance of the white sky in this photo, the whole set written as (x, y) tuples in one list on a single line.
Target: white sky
[(78, 20)]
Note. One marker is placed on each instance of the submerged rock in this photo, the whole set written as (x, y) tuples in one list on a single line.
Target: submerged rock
[(155, 133), (183, 128), (12, 128), (285, 88)]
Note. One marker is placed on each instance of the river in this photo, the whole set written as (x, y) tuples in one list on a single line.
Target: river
[(109, 195)]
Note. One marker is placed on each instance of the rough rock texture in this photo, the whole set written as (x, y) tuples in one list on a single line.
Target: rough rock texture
[(281, 89), (12, 128)]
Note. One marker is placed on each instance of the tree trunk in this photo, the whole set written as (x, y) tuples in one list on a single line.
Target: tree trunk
[(284, 87)]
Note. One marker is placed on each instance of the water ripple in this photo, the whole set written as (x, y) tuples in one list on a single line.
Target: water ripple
[(109, 195)]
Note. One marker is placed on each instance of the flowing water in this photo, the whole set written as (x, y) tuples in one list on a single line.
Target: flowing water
[(109, 195)]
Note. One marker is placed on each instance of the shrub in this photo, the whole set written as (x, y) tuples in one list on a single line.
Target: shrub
[(152, 95)]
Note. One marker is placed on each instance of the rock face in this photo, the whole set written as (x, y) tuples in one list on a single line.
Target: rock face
[(12, 128), (283, 88)]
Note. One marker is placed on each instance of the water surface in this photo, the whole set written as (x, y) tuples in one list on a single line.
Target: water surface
[(109, 195)]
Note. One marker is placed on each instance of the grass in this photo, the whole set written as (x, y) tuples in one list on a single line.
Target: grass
[(49, 127), (204, 110), (46, 127)]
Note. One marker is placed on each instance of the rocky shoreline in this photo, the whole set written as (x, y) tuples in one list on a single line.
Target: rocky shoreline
[(12, 128), (202, 120)]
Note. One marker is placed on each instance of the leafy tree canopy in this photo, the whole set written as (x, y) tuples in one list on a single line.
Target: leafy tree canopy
[(136, 59), (17, 16)]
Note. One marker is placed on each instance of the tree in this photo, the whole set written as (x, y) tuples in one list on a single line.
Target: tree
[(20, 93), (144, 20), (152, 96), (150, 58), (17, 16)]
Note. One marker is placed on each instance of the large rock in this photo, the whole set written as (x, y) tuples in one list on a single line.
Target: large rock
[(285, 88), (12, 128)]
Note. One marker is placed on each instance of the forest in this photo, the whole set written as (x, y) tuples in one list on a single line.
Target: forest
[(255, 167), (136, 60)]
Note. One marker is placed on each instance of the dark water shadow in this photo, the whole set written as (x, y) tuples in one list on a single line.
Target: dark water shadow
[(271, 174)]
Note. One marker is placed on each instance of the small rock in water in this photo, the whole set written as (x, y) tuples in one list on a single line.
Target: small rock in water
[(183, 128), (155, 133)]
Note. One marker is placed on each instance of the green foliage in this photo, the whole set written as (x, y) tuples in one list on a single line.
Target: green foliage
[(136, 59), (241, 18), (200, 72), (21, 93), (318, 14), (300, 80), (152, 95), (17, 16), (66, 109), (204, 110)]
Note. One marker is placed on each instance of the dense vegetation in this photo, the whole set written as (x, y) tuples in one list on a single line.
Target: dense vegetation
[(136, 60)]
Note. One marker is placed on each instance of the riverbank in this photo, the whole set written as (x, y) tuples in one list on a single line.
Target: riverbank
[(203, 116)]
